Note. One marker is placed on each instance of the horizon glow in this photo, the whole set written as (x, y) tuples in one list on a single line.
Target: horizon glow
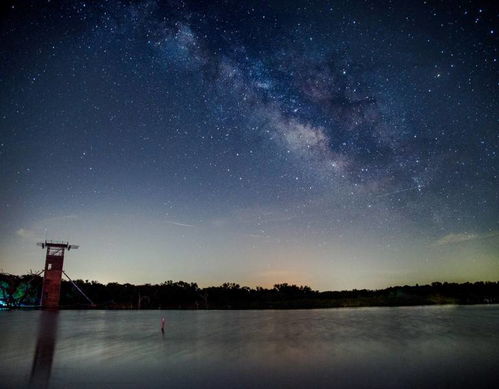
[(319, 145)]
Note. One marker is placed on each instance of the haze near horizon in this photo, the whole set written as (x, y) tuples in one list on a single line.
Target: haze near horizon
[(308, 143)]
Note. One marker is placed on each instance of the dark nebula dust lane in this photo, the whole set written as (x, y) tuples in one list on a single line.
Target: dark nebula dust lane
[(338, 144)]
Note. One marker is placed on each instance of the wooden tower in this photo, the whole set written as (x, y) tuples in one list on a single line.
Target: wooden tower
[(54, 261)]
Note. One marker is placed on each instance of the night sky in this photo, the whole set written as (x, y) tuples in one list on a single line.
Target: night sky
[(335, 144)]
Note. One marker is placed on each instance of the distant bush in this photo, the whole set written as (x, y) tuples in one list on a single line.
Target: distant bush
[(25, 290)]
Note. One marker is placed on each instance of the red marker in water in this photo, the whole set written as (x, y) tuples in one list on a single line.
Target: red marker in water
[(162, 324)]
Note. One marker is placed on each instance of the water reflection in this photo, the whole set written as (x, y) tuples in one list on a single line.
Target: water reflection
[(44, 351), (423, 347)]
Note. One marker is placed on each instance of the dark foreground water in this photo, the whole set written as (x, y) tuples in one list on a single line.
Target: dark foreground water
[(448, 346)]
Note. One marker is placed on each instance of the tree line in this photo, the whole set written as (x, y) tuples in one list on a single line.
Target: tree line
[(19, 291)]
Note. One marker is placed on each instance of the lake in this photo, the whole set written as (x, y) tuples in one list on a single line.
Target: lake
[(413, 347)]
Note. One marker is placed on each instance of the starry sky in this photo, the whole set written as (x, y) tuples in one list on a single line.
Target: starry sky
[(338, 144)]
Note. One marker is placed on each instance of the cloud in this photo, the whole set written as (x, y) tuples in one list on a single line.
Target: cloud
[(27, 234), (450, 239), (261, 216), (58, 219), (255, 236), (178, 224)]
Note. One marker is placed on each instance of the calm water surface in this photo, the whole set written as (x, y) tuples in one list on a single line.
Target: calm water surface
[(449, 346)]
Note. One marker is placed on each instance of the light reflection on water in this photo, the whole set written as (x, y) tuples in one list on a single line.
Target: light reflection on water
[(367, 347)]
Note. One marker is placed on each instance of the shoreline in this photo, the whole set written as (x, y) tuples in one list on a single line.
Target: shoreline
[(80, 308), (25, 291)]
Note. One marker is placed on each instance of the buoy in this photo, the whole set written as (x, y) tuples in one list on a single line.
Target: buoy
[(162, 324)]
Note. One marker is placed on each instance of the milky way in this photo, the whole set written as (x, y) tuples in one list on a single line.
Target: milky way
[(336, 144)]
